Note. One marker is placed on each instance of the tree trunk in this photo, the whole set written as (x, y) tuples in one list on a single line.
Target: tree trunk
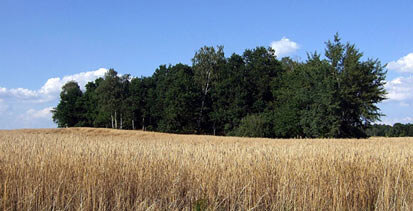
[(111, 116), (133, 124), (116, 121), (203, 101), (143, 123), (214, 129)]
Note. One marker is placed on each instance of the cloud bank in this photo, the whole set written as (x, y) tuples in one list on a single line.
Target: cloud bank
[(403, 65), (284, 47), (25, 108), (51, 89), (399, 104), (400, 89)]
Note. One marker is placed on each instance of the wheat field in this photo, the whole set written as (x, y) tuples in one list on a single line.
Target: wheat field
[(103, 169)]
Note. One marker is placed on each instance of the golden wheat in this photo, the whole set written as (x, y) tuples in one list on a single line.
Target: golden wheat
[(102, 169)]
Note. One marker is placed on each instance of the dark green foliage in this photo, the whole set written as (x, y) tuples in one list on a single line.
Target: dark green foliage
[(397, 130), (307, 102), (140, 98), (109, 94), (177, 99), (68, 112), (207, 64), (360, 87), (320, 109), (253, 94), (255, 125), (89, 103), (231, 96), (262, 69)]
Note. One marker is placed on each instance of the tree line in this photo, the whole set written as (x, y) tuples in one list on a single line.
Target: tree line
[(397, 130), (254, 94)]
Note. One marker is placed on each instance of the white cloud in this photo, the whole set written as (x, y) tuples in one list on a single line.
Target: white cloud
[(51, 89), (32, 118), (404, 64), (284, 46), (20, 93), (399, 105), (54, 85), (45, 113), (400, 89), (25, 108)]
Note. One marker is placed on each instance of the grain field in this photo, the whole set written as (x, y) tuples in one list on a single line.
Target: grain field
[(103, 169)]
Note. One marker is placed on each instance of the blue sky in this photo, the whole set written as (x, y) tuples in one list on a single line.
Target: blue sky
[(45, 43)]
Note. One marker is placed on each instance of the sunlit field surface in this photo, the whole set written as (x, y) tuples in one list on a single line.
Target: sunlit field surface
[(102, 169)]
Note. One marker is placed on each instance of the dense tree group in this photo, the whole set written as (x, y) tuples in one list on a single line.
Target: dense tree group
[(397, 130), (253, 94)]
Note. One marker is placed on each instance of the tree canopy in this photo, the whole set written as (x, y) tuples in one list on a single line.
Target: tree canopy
[(397, 130), (252, 94)]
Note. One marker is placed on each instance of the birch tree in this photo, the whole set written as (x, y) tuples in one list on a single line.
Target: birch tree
[(109, 92), (206, 63)]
